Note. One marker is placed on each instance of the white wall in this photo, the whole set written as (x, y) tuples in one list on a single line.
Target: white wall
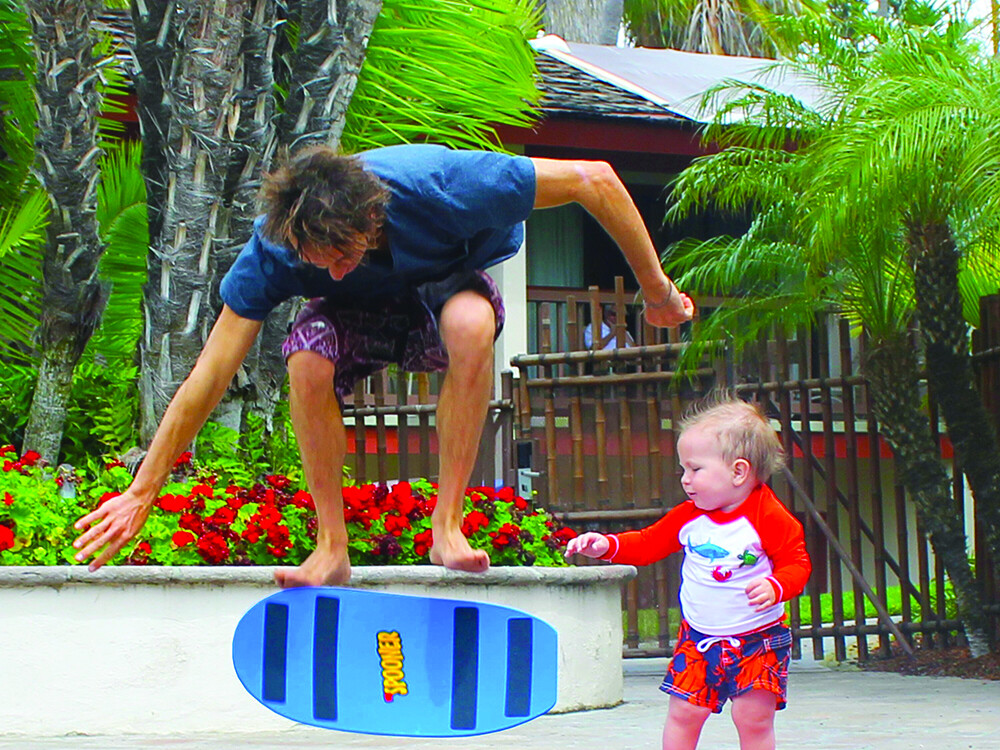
[(147, 650), (511, 277)]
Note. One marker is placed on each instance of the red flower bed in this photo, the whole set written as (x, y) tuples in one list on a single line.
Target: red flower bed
[(194, 522)]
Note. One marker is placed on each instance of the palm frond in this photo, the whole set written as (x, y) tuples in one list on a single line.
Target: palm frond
[(17, 104), (917, 142), (122, 184), (754, 115), (446, 73), (22, 240), (114, 87), (876, 285), (783, 29), (978, 276), (739, 323), (911, 134), (731, 27), (122, 216), (736, 180), (15, 52), (727, 266), (657, 23)]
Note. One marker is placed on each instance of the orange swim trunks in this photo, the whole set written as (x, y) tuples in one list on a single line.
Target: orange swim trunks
[(709, 670)]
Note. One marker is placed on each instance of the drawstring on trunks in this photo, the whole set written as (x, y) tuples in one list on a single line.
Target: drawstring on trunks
[(706, 643)]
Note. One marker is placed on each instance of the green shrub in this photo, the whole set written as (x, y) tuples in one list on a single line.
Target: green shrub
[(101, 414), (35, 525)]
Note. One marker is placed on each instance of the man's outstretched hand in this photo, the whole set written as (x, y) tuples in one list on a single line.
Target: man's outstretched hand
[(679, 310), (111, 526)]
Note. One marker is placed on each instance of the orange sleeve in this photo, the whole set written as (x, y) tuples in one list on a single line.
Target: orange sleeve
[(652, 543), (785, 544)]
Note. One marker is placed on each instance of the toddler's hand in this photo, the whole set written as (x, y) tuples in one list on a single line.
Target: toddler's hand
[(760, 592), (590, 544)]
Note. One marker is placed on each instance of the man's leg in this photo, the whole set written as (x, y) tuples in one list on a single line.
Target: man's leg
[(322, 439), (467, 327)]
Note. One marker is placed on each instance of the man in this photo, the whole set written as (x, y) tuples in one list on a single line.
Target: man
[(390, 247), (609, 333)]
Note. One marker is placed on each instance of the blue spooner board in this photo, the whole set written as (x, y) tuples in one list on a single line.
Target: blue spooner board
[(366, 661)]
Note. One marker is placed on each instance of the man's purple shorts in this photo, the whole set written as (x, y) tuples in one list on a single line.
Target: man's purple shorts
[(361, 340)]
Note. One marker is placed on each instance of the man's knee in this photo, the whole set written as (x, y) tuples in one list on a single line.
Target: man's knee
[(309, 372), (468, 321)]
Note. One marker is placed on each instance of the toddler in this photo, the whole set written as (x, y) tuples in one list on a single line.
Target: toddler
[(744, 555)]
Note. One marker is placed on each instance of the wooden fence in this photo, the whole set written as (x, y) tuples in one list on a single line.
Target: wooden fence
[(391, 434), (592, 431), (601, 429)]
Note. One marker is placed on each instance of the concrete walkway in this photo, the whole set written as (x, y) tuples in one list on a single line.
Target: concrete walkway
[(827, 710)]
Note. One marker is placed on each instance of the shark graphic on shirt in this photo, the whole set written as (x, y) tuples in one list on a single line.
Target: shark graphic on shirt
[(711, 551)]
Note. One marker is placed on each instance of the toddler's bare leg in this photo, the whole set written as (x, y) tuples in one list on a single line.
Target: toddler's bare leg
[(684, 723), (753, 715)]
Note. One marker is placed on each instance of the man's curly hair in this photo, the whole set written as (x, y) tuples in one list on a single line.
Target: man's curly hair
[(325, 199)]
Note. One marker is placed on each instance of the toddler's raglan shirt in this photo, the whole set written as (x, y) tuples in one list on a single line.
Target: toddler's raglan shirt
[(723, 552)]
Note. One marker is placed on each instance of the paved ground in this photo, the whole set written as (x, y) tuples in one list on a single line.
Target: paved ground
[(827, 710)]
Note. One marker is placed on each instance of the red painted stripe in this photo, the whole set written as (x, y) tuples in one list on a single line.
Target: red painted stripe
[(640, 444)]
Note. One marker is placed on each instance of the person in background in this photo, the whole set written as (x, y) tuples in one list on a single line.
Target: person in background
[(608, 339)]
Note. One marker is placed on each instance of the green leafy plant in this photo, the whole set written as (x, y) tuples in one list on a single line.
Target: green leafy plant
[(34, 519), (254, 451), (200, 519), (102, 409)]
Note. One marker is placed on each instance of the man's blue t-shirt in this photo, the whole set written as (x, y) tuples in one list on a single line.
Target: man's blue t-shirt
[(448, 211)]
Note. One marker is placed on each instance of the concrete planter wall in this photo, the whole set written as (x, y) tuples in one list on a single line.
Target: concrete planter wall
[(147, 650)]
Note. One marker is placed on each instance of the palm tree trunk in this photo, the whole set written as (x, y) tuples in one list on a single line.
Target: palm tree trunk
[(333, 35), (324, 69), (259, 381), (152, 23), (712, 23), (587, 21), (66, 165), (206, 108), (891, 369), (200, 108), (950, 374)]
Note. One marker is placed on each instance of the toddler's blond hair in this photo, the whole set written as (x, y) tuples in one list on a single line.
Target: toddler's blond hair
[(741, 431)]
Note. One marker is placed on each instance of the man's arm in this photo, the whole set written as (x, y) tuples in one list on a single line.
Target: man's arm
[(118, 520), (596, 187), (611, 337)]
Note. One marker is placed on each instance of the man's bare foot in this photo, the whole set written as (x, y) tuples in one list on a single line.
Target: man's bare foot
[(321, 568), (452, 550)]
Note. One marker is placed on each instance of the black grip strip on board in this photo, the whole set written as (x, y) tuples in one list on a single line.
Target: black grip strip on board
[(275, 652), (465, 669), (519, 651), (325, 631)]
